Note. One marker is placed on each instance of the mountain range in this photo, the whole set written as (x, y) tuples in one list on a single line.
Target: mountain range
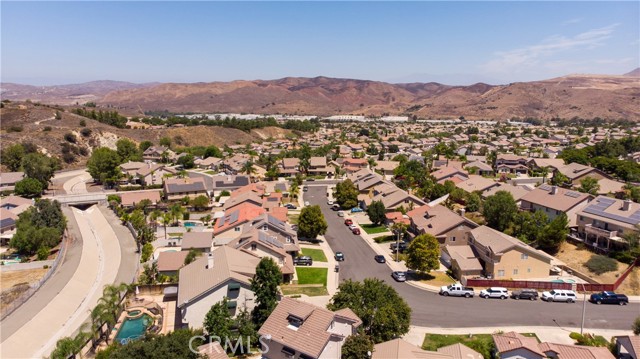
[(587, 96)]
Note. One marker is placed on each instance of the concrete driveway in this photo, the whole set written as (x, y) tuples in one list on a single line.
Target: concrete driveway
[(430, 309)]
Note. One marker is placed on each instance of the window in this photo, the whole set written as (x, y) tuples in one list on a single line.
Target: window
[(557, 212), (254, 246), (237, 229), (288, 352), (453, 239), (524, 256), (265, 227), (581, 218), (501, 273), (288, 239), (515, 272), (528, 270)]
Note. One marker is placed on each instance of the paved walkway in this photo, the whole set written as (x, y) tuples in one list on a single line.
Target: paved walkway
[(77, 184), (62, 316)]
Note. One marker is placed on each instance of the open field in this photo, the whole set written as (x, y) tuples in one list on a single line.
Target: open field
[(9, 279)]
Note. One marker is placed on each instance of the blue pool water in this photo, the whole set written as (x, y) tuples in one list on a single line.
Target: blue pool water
[(190, 224), (133, 329), (563, 281)]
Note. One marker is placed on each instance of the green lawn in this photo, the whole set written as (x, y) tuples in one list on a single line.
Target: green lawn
[(385, 239), (210, 172), (178, 234), (373, 229), (316, 254), (312, 275), (293, 218), (482, 343), (310, 290)]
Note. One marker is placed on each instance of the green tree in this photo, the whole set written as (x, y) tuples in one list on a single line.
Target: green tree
[(172, 345), (499, 210), (423, 254), (11, 156), (265, 286), (636, 326), (311, 222), (70, 346), (357, 346), (589, 185), (187, 161), (104, 165), (213, 151), (246, 330), (144, 145), (384, 314), (528, 226), (346, 194), (165, 141), (200, 203), (39, 167), (28, 187), (127, 150), (218, 321), (554, 234), (191, 256), (147, 252), (376, 212), (473, 202), (248, 168), (559, 179)]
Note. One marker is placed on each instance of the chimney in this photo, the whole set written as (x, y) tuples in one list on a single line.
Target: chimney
[(210, 261), (554, 189), (626, 205), (462, 211)]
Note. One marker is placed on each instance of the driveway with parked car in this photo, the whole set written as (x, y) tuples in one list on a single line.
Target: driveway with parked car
[(430, 309)]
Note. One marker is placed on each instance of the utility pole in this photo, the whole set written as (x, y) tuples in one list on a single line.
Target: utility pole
[(397, 245), (584, 308)]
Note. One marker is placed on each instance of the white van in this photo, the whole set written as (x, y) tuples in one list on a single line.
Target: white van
[(559, 295)]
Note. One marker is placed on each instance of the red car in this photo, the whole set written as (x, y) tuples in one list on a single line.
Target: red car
[(355, 231), (348, 222)]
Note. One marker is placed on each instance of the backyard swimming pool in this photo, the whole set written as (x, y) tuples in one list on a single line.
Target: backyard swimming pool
[(190, 224), (133, 329), (563, 281)]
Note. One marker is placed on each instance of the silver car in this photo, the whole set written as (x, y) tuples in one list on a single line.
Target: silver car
[(399, 276)]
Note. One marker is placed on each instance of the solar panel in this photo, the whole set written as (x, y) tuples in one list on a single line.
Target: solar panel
[(545, 187), (271, 240), (233, 217), (275, 221), (572, 194), (602, 204)]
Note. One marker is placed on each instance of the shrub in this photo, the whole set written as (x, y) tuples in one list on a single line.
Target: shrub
[(46, 129), (636, 326), (600, 264), (68, 157), (14, 128), (86, 132), (83, 123), (43, 253), (70, 137), (624, 256)]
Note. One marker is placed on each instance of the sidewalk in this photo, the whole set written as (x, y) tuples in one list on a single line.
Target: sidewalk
[(545, 334)]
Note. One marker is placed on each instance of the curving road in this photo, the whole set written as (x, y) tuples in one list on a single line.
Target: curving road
[(433, 310)]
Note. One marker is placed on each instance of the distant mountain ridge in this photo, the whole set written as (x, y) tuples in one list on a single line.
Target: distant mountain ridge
[(586, 96)]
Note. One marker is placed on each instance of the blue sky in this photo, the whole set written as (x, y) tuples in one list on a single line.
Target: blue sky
[(45, 43)]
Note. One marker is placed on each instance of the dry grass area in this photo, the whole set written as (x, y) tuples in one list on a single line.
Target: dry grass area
[(436, 278), (9, 279), (575, 258)]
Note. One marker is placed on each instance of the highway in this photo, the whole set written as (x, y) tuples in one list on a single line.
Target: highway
[(433, 310)]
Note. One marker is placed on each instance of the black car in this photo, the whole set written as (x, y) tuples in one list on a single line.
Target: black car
[(402, 246), (609, 298), (530, 294), (380, 259), (303, 261), (290, 206)]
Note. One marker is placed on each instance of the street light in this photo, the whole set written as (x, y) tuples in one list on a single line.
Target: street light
[(584, 307), (397, 245)]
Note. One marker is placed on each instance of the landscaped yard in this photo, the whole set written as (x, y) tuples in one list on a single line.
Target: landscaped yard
[(373, 229), (316, 254), (293, 218), (310, 290), (312, 275), (175, 234), (210, 172), (435, 278), (482, 343)]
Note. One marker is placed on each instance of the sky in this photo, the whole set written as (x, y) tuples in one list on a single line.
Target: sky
[(457, 43)]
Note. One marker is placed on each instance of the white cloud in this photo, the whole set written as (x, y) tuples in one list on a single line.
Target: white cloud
[(522, 59), (572, 21)]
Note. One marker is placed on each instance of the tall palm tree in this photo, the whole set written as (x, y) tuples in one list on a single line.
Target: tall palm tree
[(248, 168), (176, 212), (71, 346), (101, 315), (166, 220), (294, 190)]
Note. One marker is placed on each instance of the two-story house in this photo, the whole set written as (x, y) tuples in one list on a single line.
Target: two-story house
[(553, 201), (439, 221), (603, 223), (510, 163), (178, 188)]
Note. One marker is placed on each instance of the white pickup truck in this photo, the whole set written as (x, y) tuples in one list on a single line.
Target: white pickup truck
[(456, 290)]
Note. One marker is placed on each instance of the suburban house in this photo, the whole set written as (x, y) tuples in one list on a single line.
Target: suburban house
[(477, 183), (365, 180), (213, 350), (130, 199), (480, 168), (394, 198), (354, 164), (169, 263), (225, 272), (628, 346), (7, 220), (553, 200), (228, 183), (450, 173), (260, 243), (15, 204), (577, 172), (513, 345), (233, 165), (510, 163), (130, 168), (237, 199), (517, 192), (401, 349), (386, 168), (318, 167), (200, 241), (153, 174), (8, 180), (209, 163), (289, 166), (503, 256), (229, 226), (302, 330), (603, 223), (156, 154), (178, 188), (276, 229), (440, 222)]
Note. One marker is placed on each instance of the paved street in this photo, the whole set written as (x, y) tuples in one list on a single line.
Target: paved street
[(432, 310)]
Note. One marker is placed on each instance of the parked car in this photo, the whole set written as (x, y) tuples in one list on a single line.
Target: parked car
[(330, 202), (306, 203), (290, 206), (348, 221), (356, 210), (305, 189), (402, 246), (335, 207), (530, 294), (303, 261), (494, 292), (399, 276), (559, 295), (609, 298), (380, 259), (339, 256), (355, 231), (340, 214), (456, 290), (352, 227)]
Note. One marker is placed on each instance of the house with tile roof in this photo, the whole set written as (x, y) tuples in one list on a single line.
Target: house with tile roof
[(16, 204), (512, 345), (210, 163), (8, 180), (510, 163), (476, 183), (628, 346), (297, 329), (318, 166), (576, 172), (603, 223), (554, 200), (439, 221), (169, 263), (450, 173), (130, 199), (200, 241), (225, 272), (480, 168), (177, 188), (230, 225), (289, 166)]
